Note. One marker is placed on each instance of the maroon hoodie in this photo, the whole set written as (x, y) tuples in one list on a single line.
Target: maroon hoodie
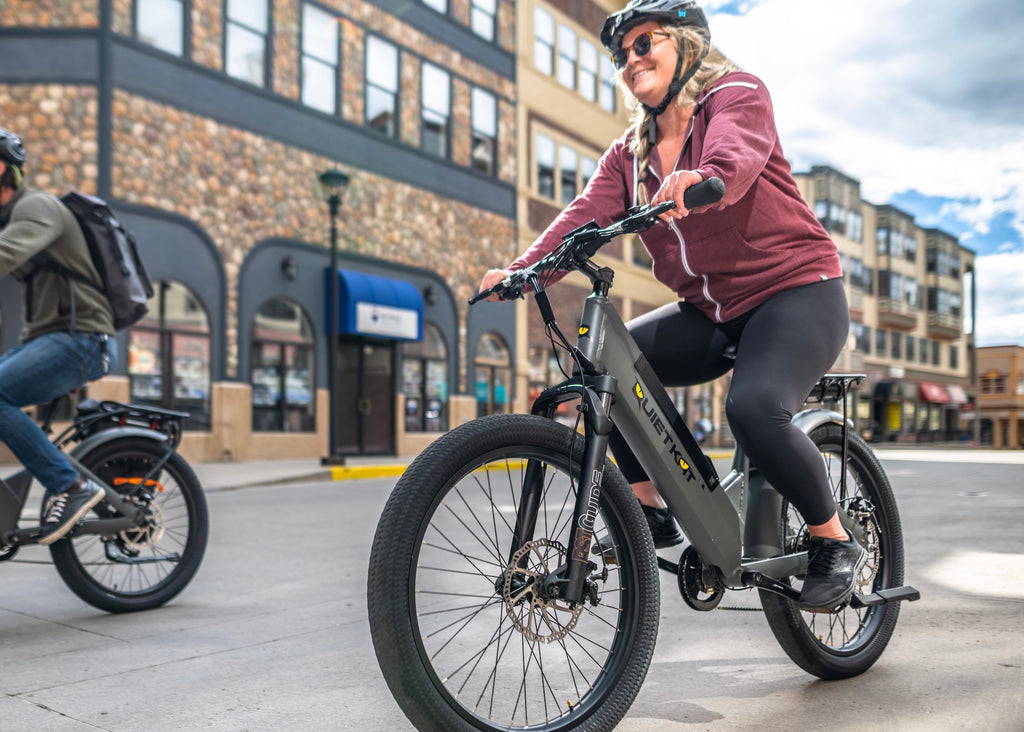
[(726, 259)]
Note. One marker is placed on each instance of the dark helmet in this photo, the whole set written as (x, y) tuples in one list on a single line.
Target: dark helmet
[(11, 149), (669, 12)]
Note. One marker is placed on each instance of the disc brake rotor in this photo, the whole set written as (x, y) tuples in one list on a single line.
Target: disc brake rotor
[(149, 534), (538, 618)]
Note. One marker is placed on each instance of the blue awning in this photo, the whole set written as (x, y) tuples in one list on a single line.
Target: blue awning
[(372, 305)]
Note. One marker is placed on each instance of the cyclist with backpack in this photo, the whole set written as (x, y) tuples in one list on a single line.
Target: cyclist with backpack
[(756, 271), (67, 339)]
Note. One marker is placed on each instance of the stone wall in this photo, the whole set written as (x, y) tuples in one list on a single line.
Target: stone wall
[(241, 188)]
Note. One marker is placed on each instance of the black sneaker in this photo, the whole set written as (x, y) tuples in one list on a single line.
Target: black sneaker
[(663, 528), (833, 567), (64, 510)]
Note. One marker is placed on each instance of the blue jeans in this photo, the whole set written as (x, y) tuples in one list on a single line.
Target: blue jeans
[(36, 372)]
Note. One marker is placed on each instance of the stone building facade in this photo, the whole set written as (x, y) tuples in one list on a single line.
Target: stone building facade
[(207, 131)]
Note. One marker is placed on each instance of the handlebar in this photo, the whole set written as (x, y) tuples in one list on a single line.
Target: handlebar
[(582, 243)]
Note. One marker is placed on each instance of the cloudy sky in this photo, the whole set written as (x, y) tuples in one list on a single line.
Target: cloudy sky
[(922, 101)]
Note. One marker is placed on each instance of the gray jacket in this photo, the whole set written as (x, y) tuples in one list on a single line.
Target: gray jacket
[(33, 221)]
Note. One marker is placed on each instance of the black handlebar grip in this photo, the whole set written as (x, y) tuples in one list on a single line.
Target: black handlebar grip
[(704, 193)]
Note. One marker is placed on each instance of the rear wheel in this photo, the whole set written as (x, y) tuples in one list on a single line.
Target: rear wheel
[(464, 624), (143, 567), (848, 641)]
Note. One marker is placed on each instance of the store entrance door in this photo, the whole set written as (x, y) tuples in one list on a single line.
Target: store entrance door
[(364, 403)]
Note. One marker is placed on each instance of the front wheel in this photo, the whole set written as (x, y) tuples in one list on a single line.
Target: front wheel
[(466, 629), (848, 641), (143, 567)]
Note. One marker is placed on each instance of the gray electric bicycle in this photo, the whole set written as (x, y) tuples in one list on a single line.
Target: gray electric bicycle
[(142, 544), (513, 582)]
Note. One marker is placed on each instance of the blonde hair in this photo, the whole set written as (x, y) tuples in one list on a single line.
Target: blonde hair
[(715, 65)]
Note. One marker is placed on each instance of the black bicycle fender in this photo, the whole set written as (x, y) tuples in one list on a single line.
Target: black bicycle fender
[(808, 419), (102, 437)]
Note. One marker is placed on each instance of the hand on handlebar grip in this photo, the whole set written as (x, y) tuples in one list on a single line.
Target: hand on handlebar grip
[(492, 278)]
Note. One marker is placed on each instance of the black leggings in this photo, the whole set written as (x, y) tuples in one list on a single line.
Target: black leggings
[(783, 347)]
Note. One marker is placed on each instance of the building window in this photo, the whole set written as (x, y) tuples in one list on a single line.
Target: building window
[(567, 159), (606, 94), (588, 70), (543, 41), (493, 376), (588, 166), (567, 57), (485, 131), (897, 342), (161, 24), (169, 354), (435, 98), (425, 382), (319, 59), (283, 358), (936, 353), (440, 6), (911, 340), (855, 229), (922, 350), (861, 337), (382, 85), (481, 17), (545, 166), (910, 290), (881, 342), (882, 241), (246, 40), (954, 357)]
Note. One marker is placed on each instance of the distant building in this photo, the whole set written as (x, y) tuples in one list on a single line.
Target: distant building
[(909, 288), (1001, 395)]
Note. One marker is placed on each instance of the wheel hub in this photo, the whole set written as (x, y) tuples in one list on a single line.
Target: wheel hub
[(528, 604)]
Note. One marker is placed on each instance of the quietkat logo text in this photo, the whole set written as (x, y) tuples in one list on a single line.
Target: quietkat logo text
[(663, 431)]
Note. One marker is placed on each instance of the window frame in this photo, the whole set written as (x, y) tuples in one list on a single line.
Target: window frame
[(425, 108), (267, 35), (185, 37), (304, 55), (477, 95), (375, 41)]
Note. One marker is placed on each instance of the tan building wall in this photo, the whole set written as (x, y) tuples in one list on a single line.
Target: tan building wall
[(1001, 395)]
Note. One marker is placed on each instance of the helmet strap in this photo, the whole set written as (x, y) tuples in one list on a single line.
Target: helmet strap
[(673, 89)]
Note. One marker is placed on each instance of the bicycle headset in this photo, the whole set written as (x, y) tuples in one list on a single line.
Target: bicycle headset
[(666, 12)]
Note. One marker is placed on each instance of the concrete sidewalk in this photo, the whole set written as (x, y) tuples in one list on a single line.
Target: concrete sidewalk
[(232, 476)]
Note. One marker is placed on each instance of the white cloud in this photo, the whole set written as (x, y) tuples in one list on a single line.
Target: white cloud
[(1000, 299)]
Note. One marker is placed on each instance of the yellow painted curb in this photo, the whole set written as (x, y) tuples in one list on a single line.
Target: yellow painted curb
[(367, 471)]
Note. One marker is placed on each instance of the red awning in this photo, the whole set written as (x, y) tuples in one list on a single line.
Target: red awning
[(932, 392), (957, 395)]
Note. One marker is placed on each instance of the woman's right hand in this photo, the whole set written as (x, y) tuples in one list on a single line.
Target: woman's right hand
[(493, 277)]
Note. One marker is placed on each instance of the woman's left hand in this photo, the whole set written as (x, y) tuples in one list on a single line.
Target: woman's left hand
[(672, 189)]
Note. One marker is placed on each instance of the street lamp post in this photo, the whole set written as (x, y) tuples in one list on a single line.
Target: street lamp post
[(333, 182)]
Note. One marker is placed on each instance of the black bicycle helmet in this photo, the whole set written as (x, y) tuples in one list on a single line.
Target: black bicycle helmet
[(11, 149), (670, 12)]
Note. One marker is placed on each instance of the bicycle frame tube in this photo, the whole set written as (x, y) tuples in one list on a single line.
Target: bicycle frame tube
[(662, 443)]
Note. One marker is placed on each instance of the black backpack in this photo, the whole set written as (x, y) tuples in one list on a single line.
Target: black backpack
[(115, 254)]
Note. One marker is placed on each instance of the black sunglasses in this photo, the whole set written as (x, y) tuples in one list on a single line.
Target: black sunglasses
[(641, 47)]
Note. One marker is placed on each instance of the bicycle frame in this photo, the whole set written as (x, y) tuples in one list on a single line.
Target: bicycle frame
[(130, 421), (731, 522)]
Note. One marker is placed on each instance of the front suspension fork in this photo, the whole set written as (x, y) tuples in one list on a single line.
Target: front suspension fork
[(595, 402)]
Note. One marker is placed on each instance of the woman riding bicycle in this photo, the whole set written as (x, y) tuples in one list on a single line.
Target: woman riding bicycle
[(756, 271)]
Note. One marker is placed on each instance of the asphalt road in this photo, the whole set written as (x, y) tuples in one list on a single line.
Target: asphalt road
[(272, 634)]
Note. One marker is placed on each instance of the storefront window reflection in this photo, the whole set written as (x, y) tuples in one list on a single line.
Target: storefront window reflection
[(425, 382), (283, 354), (493, 376), (169, 354)]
